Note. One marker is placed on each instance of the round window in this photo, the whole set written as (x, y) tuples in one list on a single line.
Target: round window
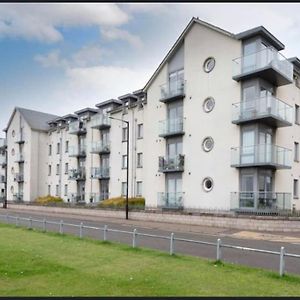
[(209, 64), (207, 184), (208, 104), (208, 144), (13, 133), (12, 152)]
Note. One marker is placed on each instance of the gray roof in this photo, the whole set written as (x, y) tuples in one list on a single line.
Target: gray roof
[(295, 61), (36, 120), (107, 102), (84, 110)]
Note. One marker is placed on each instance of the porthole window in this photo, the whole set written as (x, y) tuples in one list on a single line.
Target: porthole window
[(207, 184), (208, 104), (209, 64), (208, 144), (12, 152)]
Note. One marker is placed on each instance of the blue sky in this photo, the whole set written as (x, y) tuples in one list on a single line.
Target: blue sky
[(61, 57)]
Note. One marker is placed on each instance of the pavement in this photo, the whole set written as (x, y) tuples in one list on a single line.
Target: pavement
[(251, 239)]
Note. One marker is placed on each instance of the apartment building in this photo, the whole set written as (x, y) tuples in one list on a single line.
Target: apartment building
[(2, 168), (217, 126)]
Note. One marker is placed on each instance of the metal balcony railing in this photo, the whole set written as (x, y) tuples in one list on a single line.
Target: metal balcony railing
[(173, 90), (77, 151), (77, 127), (100, 147), (267, 155), (100, 173), (20, 158), (260, 201), (76, 198), (268, 62), (18, 197), (170, 200), (171, 164), (271, 109), (170, 127), (77, 174), (19, 177), (100, 121)]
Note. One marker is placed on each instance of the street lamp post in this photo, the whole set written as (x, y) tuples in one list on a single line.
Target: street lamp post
[(127, 171)]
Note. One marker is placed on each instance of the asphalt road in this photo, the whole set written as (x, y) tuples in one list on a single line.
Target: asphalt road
[(267, 261)]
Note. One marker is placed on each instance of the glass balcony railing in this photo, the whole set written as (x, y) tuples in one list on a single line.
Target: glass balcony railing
[(170, 200), (171, 164), (267, 155), (77, 151), (173, 90), (19, 177), (264, 201), (2, 179), (171, 127), (20, 158), (267, 63), (77, 127), (76, 198), (100, 173), (98, 197), (20, 138), (77, 174), (100, 147), (3, 143), (272, 110), (100, 121), (3, 161), (18, 197)]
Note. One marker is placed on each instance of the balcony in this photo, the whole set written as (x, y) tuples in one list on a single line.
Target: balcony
[(3, 144), (100, 121), (171, 164), (77, 127), (3, 162), (171, 127), (269, 110), (100, 147), (2, 198), (268, 64), (77, 174), (264, 155), (172, 91), (19, 177), (100, 173), (19, 158), (76, 198), (98, 197), (2, 179), (170, 200), (260, 201), (77, 151), (18, 197), (20, 138)]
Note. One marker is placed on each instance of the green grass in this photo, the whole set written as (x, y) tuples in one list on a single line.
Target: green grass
[(46, 264)]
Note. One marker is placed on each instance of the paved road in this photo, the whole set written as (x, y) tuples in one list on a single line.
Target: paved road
[(208, 234)]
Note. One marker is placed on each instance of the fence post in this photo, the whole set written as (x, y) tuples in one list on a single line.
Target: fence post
[(281, 263), (44, 224), (61, 227), (134, 238), (17, 221), (105, 233), (172, 244), (30, 223), (219, 253), (80, 230)]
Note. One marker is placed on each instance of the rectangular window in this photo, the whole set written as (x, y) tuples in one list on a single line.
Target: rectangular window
[(66, 190), (49, 189), (58, 148), (124, 134), (296, 195), (124, 162), (57, 169), (66, 168), (50, 149), (124, 187), (140, 160), (67, 147), (140, 131), (57, 190), (49, 170), (297, 119), (139, 191), (296, 151)]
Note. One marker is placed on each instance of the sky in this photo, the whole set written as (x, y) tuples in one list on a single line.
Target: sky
[(62, 57)]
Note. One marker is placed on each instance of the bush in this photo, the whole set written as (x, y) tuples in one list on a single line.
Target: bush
[(119, 202), (48, 200)]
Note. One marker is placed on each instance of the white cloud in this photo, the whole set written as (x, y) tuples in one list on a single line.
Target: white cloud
[(52, 59), (42, 21), (120, 34)]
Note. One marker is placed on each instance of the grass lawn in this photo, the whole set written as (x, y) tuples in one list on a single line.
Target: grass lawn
[(46, 264)]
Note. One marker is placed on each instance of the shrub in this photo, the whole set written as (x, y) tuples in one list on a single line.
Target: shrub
[(121, 202), (48, 200)]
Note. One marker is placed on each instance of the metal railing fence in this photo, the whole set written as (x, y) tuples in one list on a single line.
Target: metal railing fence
[(218, 244)]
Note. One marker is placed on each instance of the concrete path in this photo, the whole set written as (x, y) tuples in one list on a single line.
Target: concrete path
[(243, 238)]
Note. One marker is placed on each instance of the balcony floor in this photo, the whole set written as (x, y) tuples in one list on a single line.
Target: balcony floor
[(172, 98), (262, 165), (171, 134)]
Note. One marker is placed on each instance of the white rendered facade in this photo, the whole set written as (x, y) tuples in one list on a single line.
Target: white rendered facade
[(239, 150)]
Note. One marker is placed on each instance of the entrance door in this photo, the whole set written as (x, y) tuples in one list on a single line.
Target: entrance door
[(265, 147), (174, 191), (104, 190)]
